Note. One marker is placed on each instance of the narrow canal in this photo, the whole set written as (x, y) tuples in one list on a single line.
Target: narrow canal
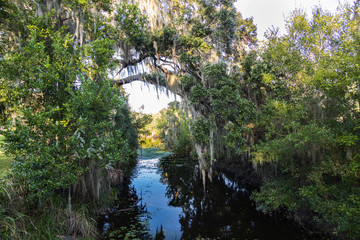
[(166, 200)]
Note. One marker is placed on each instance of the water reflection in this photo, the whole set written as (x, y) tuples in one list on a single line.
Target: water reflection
[(221, 211), (171, 203), (152, 192)]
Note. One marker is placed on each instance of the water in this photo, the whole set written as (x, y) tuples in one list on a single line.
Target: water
[(149, 183), (167, 200)]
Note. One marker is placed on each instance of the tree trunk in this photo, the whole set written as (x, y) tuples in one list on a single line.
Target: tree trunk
[(69, 200), (358, 88), (200, 151), (210, 173)]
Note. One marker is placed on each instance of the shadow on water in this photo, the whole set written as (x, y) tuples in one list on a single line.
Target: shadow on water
[(127, 219), (166, 200)]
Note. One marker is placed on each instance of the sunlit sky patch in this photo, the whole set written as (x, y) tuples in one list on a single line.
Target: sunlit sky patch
[(143, 97), (266, 13)]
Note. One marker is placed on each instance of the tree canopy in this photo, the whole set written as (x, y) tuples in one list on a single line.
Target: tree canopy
[(287, 108)]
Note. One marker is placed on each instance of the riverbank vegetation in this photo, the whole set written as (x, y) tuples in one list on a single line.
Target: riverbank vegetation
[(290, 109), (173, 128), (5, 161), (287, 108), (69, 129)]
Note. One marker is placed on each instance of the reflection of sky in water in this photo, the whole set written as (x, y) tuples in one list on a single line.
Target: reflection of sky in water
[(148, 187), (221, 211)]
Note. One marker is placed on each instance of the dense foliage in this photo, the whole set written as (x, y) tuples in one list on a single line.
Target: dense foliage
[(309, 120), (174, 130), (68, 128), (289, 107)]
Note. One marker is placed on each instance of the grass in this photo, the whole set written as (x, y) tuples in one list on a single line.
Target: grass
[(5, 161), (149, 153)]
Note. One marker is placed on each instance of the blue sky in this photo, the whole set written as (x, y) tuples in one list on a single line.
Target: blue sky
[(266, 13)]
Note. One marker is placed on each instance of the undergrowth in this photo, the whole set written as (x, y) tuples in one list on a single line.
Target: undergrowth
[(5, 161), (20, 220)]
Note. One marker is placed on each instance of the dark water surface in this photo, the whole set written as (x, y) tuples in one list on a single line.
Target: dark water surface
[(167, 200)]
